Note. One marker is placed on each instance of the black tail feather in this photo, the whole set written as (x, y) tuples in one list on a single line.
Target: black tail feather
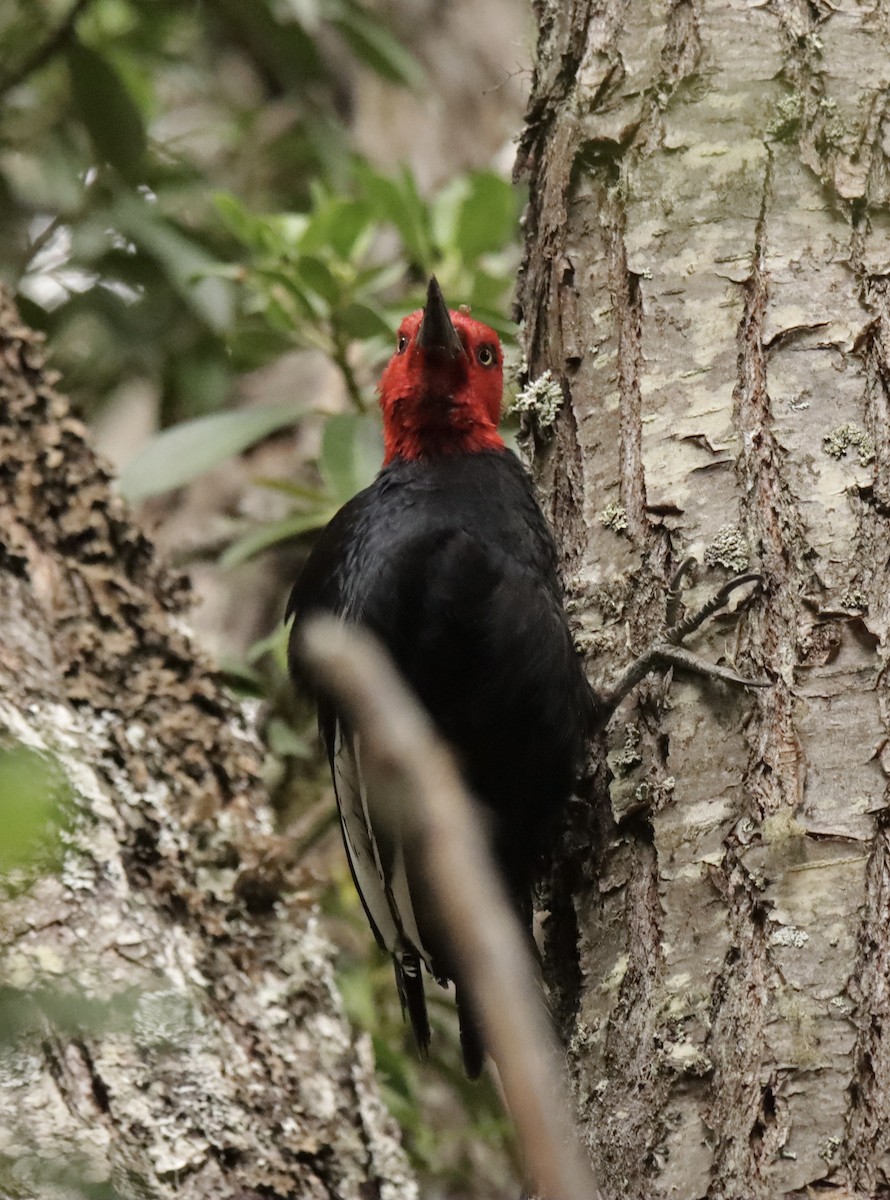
[(409, 981), (471, 1043)]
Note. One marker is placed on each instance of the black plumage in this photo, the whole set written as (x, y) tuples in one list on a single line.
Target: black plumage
[(450, 563)]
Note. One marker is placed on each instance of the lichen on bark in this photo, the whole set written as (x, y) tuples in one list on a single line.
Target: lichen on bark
[(222, 1063), (706, 278)]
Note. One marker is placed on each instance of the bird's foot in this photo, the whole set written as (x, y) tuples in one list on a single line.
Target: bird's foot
[(669, 651)]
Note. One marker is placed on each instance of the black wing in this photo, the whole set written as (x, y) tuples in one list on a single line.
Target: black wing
[(374, 850), (452, 566)]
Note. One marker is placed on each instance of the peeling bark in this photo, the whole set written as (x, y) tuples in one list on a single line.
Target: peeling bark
[(226, 1066), (706, 275)]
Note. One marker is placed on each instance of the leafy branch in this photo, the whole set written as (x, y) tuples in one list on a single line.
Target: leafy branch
[(319, 280), (42, 53)]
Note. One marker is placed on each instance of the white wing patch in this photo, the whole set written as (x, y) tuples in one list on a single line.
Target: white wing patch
[(386, 895)]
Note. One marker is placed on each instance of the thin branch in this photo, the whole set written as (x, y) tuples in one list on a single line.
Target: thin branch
[(40, 242), (41, 54), (340, 356), (407, 763)]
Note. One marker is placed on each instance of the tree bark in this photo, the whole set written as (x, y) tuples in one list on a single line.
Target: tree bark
[(221, 1063), (707, 277)]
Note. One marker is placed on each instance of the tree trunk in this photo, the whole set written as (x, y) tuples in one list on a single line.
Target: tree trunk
[(216, 1061), (707, 276)]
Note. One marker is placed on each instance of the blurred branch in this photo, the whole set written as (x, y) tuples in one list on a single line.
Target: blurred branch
[(41, 54), (43, 238), (340, 355), (405, 756)]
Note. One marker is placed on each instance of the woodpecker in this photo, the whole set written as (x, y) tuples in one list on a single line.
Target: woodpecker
[(448, 560)]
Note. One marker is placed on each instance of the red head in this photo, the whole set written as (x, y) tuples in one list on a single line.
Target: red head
[(441, 391)]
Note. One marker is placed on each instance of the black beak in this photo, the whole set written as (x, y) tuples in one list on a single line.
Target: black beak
[(436, 329)]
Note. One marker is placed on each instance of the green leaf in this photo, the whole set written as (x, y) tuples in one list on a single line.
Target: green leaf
[(337, 225), (487, 294), (290, 487), (375, 45), (260, 233), (279, 311), (283, 288), (41, 177), (255, 343), (240, 677), (107, 109), (318, 278), (284, 742), (445, 210), (198, 382), (488, 217), (362, 321), (188, 266), (380, 278), (237, 219), (274, 644), (356, 989), (177, 455), (351, 453), (398, 201), (276, 531), (392, 1067), (280, 49)]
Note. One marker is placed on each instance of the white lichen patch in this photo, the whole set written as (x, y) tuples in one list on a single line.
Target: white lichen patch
[(386, 1153), (644, 793), (614, 517), (629, 755), (684, 1056), (729, 549), (789, 935), (322, 1027), (678, 982), (320, 1097), (849, 437), (179, 1154), (781, 827), (542, 399), (106, 943), (135, 735), (787, 117), (855, 599), (612, 982), (834, 129), (829, 1148)]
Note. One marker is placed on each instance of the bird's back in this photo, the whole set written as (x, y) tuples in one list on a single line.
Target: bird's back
[(451, 565)]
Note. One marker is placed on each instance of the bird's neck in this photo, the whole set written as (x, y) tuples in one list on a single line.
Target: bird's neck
[(436, 430)]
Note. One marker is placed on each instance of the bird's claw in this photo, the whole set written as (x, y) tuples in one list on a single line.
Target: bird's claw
[(669, 650), (676, 630)]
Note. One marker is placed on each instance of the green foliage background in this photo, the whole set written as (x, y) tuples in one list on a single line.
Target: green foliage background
[(180, 204)]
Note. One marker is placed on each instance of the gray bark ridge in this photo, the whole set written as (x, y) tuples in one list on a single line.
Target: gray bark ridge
[(222, 1063), (706, 281)]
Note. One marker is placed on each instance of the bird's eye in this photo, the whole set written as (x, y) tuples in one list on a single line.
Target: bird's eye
[(485, 354), (402, 344)]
